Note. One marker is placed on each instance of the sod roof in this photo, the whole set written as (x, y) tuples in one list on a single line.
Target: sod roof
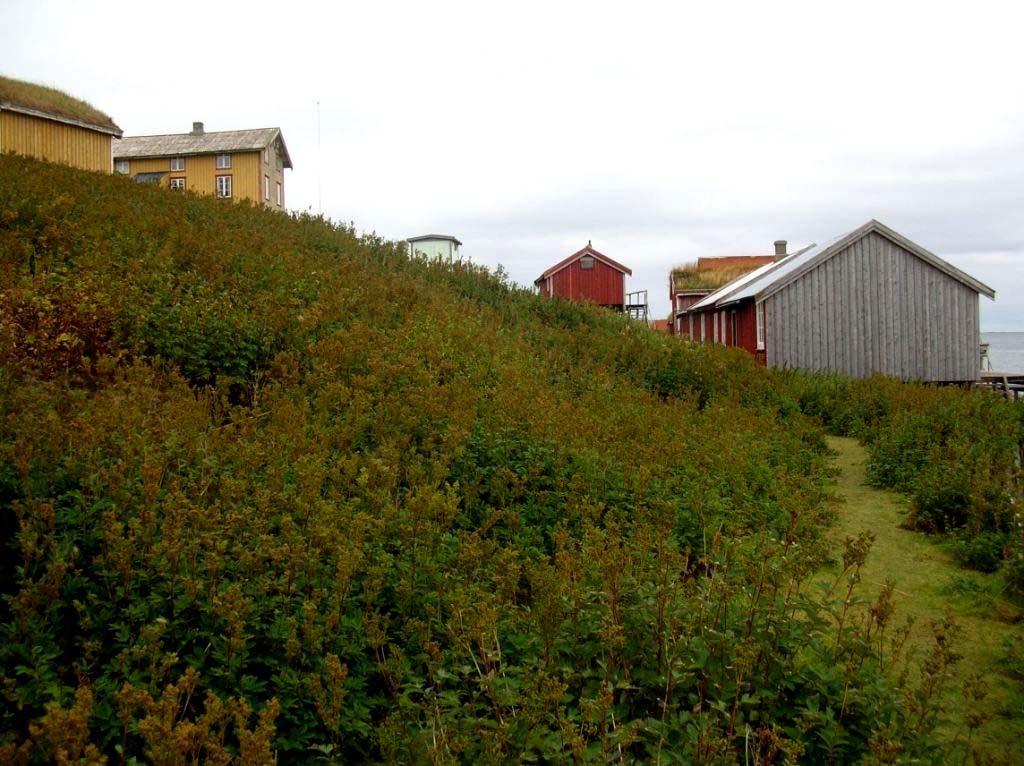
[(19, 95), (712, 273)]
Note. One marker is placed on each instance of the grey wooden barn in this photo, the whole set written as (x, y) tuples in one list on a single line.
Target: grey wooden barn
[(870, 301)]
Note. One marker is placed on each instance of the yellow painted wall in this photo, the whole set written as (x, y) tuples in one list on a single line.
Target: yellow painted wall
[(54, 141), (201, 173), (273, 169)]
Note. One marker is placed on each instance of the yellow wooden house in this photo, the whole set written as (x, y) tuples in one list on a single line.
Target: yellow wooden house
[(50, 125), (235, 164)]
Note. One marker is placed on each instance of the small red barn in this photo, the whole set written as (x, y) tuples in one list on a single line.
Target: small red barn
[(587, 276)]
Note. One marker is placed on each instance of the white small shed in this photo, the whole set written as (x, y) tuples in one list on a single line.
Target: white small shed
[(431, 246)]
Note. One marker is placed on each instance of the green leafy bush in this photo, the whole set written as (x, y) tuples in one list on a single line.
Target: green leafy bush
[(983, 552)]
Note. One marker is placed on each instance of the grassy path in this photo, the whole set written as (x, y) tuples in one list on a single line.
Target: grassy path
[(928, 582)]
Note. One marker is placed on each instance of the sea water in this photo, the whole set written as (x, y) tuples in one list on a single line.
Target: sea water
[(1006, 350)]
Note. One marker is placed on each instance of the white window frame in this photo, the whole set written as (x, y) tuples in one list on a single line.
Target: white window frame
[(223, 162), (122, 167), (279, 197), (223, 186), (266, 187), (177, 164), (587, 262), (759, 313), (177, 184)]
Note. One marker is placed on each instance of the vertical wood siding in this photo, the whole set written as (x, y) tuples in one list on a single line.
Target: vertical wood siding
[(55, 141), (740, 316), (602, 285), (201, 173), (274, 170), (746, 326), (875, 307)]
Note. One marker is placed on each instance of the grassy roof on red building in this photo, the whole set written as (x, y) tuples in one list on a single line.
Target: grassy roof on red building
[(712, 273)]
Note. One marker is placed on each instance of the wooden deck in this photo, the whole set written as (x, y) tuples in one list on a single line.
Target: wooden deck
[(1010, 384)]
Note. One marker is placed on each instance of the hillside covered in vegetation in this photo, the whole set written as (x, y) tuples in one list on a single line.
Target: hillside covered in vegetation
[(272, 490)]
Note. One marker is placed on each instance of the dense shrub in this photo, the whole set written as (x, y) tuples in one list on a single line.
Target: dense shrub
[(284, 493), (1015, 553), (983, 551)]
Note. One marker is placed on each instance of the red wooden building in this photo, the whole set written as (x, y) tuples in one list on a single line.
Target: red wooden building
[(689, 284), (587, 276)]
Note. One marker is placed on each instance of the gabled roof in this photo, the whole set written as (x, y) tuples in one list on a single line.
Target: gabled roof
[(52, 104), (588, 250), (771, 278), (725, 292), (216, 142), (429, 237), (790, 269)]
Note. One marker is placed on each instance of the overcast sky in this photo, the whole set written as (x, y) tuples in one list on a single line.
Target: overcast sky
[(525, 129)]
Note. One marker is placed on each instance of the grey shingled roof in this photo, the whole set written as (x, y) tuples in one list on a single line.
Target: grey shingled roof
[(217, 142)]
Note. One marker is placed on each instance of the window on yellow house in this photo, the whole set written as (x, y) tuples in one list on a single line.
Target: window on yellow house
[(223, 186)]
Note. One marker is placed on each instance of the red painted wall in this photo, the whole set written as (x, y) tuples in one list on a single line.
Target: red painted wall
[(746, 326), (745, 321), (685, 301), (602, 285)]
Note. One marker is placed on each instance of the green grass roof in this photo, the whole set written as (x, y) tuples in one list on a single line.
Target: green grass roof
[(52, 101), (693, 277)]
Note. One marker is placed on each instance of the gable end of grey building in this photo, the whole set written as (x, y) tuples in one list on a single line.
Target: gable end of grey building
[(875, 306)]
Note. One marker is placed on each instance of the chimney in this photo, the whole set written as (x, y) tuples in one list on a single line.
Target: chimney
[(197, 128), (780, 249)]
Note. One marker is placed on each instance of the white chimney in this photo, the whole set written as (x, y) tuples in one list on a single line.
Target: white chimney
[(780, 249)]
